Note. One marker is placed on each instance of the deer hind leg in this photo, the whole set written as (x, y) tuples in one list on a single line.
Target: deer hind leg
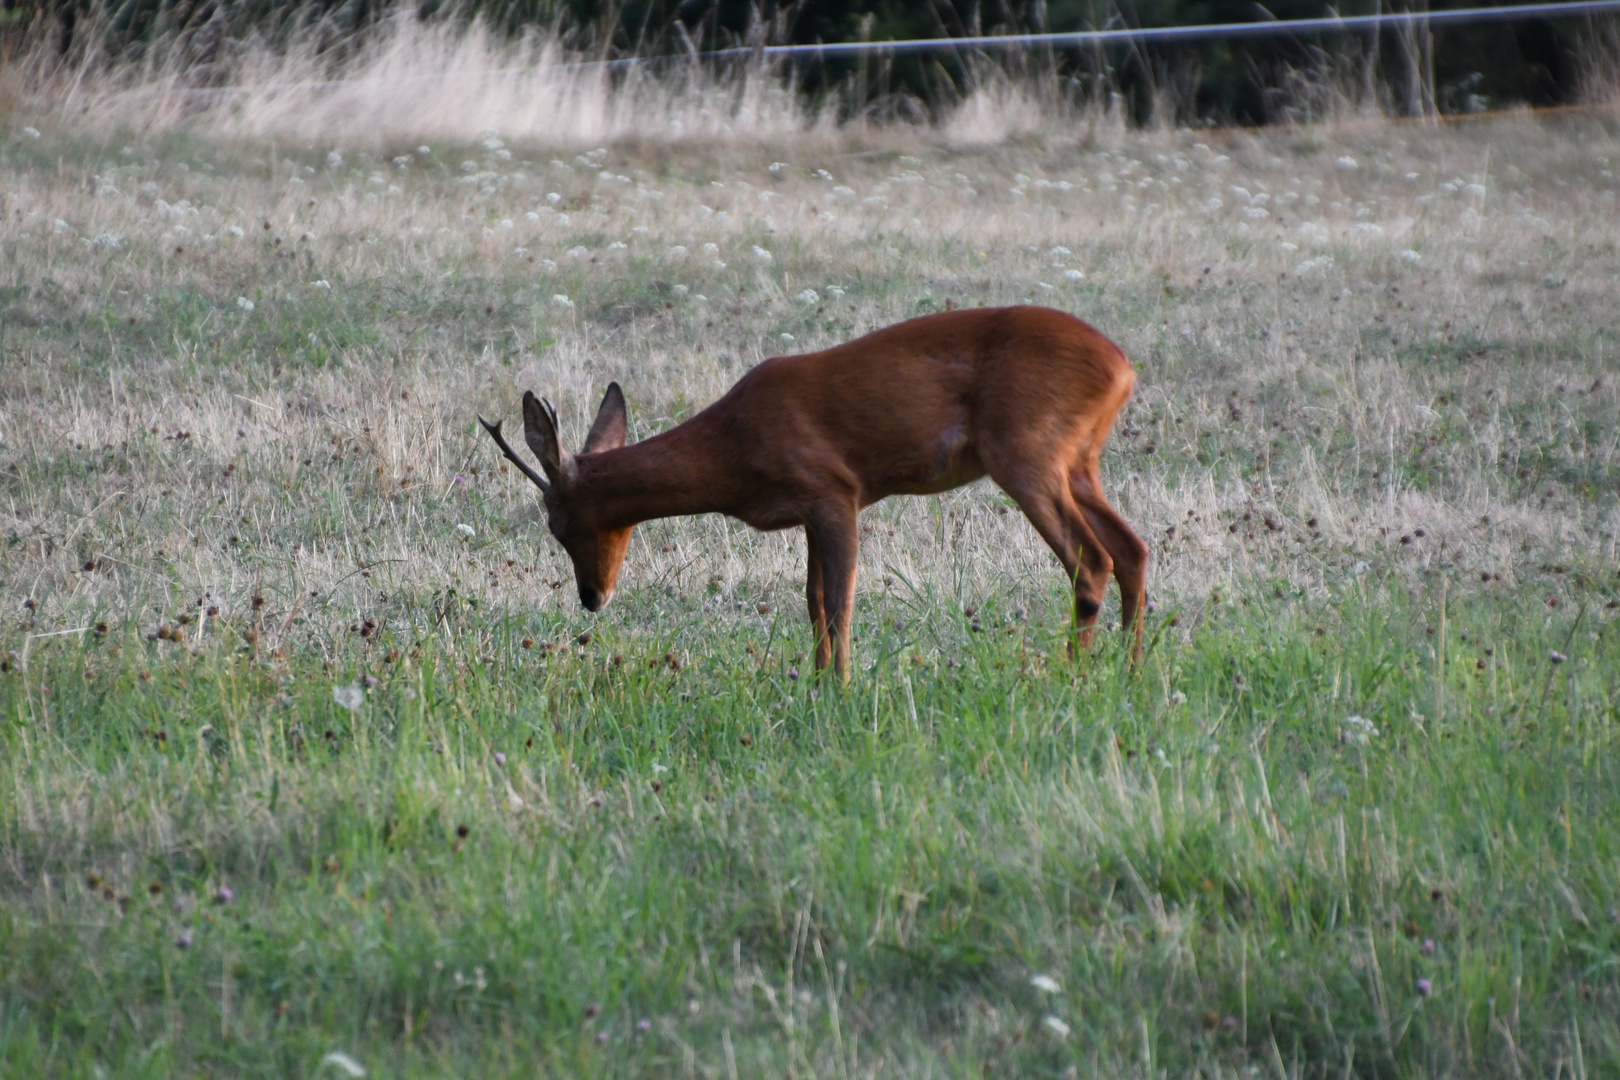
[(816, 600), (831, 530), (1051, 508), (1128, 551)]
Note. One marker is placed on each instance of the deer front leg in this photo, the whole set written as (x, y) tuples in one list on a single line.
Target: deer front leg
[(816, 601), (833, 539)]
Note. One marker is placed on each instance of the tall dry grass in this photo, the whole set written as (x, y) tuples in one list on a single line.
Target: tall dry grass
[(411, 79)]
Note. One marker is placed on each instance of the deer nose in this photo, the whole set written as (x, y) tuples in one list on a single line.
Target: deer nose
[(592, 598)]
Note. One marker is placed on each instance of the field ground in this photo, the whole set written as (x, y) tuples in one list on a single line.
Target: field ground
[(309, 748)]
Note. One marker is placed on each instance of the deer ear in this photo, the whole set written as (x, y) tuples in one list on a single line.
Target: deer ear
[(540, 432), (608, 432)]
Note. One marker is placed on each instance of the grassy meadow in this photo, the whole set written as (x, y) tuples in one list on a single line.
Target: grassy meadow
[(312, 763)]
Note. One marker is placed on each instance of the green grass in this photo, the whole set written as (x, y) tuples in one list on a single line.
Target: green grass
[(1203, 855)]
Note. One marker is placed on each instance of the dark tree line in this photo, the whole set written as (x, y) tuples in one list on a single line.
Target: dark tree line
[(1459, 68)]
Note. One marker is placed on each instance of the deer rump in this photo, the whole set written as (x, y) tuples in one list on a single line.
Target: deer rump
[(1024, 395)]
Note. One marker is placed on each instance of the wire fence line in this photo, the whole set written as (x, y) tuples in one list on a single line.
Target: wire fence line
[(1063, 40), (1139, 35)]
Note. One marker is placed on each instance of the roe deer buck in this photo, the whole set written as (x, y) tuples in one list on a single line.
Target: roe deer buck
[(1024, 394)]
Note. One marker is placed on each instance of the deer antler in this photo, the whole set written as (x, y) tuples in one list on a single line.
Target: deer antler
[(511, 455)]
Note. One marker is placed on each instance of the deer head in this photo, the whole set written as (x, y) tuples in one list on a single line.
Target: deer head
[(597, 552)]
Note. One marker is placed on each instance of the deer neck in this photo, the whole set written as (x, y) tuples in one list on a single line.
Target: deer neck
[(671, 475)]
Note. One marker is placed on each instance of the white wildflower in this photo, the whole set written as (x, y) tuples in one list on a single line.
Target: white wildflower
[(32, 133), (1348, 162), (1178, 698), (835, 292), (762, 255), (532, 216), (506, 223), (1060, 252), (617, 245), (244, 303), (701, 299), (108, 241), (1367, 228), (786, 338), (1286, 246), (1056, 1026), (562, 301), (425, 151), (1255, 213), (1409, 256), (341, 1061), (1074, 275), (678, 251), (553, 198), (322, 284), (334, 160), (681, 290), (236, 232), (1045, 983), (466, 530), (1476, 190), (547, 265), (350, 697), (578, 251), (1358, 730), (807, 297)]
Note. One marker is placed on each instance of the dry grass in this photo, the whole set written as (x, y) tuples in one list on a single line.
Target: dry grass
[(1376, 337)]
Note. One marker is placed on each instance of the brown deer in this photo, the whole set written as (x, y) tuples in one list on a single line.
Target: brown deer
[(1025, 395)]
